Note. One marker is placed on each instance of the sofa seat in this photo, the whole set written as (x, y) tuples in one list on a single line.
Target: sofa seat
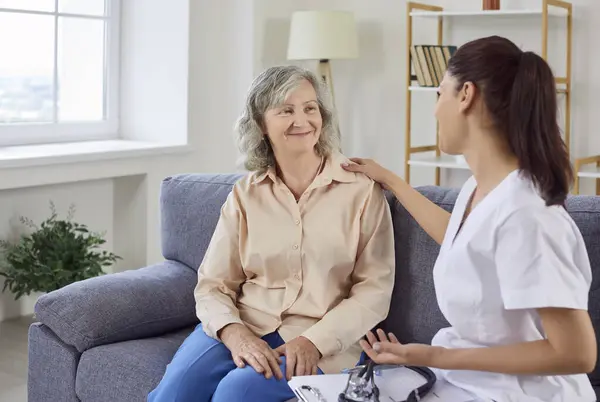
[(126, 371)]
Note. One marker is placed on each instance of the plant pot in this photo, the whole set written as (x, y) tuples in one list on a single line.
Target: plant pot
[(491, 4)]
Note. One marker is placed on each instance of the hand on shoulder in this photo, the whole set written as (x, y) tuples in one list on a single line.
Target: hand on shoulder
[(371, 169)]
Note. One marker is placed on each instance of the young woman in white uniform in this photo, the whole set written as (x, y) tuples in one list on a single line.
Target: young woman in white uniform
[(513, 275)]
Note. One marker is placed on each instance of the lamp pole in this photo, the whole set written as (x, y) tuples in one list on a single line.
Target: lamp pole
[(325, 73)]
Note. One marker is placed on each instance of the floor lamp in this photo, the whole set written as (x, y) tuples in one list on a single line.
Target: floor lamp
[(323, 36)]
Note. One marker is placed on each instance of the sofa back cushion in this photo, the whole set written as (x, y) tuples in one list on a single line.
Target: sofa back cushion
[(585, 211), (414, 313), (190, 208)]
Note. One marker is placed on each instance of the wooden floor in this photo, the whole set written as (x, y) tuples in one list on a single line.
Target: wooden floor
[(13, 359)]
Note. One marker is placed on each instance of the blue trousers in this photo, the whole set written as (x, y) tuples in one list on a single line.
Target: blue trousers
[(203, 370)]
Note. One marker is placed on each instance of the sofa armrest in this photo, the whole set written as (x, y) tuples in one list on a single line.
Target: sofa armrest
[(116, 307)]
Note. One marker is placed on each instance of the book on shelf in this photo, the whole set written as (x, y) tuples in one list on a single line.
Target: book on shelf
[(429, 63)]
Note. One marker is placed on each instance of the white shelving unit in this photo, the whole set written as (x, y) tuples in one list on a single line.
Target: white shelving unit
[(424, 89), (587, 168), (590, 172), (483, 13), (430, 156), (442, 161)]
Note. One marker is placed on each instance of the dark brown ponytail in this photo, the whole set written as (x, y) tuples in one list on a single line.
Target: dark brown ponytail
[(519, 91), (533, 130)]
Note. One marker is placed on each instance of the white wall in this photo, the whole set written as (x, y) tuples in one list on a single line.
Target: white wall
[(229, 43)]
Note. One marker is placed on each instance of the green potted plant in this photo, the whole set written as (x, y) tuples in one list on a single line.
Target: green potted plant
[(54, 254)]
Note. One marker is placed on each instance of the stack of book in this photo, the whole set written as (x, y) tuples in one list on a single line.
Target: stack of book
[(430, 62)]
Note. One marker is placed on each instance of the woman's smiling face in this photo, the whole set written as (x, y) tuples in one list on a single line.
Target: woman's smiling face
[(294, 127)]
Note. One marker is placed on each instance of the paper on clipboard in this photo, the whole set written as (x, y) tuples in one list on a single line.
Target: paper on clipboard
[(394, 384)]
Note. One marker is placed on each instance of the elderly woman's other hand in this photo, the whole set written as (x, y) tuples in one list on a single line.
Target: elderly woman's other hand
[(301, 356), (247, 348)]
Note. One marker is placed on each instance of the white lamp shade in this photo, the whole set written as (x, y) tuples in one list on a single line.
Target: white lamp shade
[(319, 35)]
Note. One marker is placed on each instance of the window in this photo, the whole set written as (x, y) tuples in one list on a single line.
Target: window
[(58, 70)]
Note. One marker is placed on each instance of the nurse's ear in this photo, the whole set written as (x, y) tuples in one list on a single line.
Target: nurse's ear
[(466, 96)]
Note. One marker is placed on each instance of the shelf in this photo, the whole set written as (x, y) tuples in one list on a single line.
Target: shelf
[(553, 11), (442, 161), (589, 171), (417, 88), (425, 89)]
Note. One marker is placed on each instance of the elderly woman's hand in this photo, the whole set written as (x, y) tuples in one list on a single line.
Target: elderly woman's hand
[(247, 348), (301, 356)]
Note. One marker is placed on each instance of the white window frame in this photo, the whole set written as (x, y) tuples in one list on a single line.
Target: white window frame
[(44, 133)]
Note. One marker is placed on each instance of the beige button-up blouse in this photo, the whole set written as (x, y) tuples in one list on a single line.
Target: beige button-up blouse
[(322, 267)]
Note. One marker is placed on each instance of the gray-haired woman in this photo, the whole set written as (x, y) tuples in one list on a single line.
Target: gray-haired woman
[(301, 263)]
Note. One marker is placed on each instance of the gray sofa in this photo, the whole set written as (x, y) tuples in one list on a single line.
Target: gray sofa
[(108, 339)]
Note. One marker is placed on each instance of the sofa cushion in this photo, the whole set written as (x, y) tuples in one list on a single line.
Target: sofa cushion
[(126, 371), (190, 208), (585, 211), (414, 313)]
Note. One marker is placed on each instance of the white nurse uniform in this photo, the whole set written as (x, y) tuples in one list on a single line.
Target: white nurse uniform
[(512, 255)]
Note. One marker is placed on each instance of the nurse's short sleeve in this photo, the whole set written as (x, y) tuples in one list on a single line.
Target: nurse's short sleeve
[(541, 261)]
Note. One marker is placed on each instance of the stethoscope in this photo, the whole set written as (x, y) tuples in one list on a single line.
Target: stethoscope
[(358, 391), (424, 389)]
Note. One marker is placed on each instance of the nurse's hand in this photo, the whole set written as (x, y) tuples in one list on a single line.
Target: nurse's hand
[(390, 351), (372, 169)]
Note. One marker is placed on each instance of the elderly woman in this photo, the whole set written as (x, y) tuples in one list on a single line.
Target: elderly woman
[(301, 264)]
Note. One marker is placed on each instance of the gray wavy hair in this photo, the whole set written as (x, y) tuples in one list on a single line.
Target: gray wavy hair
[(269, 90)]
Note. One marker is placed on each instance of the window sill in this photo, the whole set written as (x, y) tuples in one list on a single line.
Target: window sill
[(87, 151)]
